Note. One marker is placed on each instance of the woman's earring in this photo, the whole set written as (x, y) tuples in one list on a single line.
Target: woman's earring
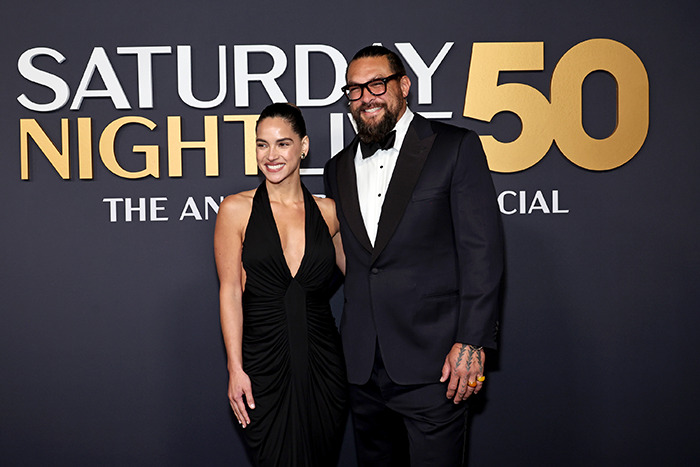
[(303, 155)]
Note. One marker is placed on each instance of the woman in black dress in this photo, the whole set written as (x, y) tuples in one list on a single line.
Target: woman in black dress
[(276, 248)]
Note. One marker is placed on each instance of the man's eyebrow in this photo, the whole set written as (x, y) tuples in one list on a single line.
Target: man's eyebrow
[(355, 83)]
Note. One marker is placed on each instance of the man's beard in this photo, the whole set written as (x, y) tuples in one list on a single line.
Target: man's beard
[(374, 132)]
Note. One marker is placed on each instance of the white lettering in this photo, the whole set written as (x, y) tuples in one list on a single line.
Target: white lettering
[(210, 204), (113, 89), (303, 85), (191, 210), (555, 204), (184, 78), (59, 87), (144, 70), (538, 203), (337, 135), (268, 80), (155, 208), (129, 209), (423, 72), (112, 207), (502, 204), (507, 200), (143, 67)]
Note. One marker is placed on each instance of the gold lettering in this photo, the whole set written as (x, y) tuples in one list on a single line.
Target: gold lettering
[(29, 128), (85, 148), (249, 121), (485, 98), (109, 158), (560, 121), (210, 146), (632, 104)]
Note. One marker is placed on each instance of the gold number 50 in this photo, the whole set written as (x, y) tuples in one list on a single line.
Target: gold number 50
[(543, 122)]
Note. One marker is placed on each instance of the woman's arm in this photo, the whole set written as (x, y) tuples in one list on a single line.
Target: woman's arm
[(339, 253), (327, 207), (228, 244)]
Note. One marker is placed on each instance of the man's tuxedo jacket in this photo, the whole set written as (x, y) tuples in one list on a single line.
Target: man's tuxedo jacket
[(432, 278)]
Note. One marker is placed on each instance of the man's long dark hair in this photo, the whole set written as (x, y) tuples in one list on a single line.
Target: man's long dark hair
[(380, 51)]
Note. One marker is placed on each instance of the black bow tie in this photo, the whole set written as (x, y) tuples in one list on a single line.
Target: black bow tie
[(368, 149)]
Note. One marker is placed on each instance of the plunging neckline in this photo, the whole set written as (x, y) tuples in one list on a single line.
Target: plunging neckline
[(279, 236), (289, 335)]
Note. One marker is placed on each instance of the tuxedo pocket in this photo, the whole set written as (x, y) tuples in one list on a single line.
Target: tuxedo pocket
[(445, 295), (429, 194), (439, 308)]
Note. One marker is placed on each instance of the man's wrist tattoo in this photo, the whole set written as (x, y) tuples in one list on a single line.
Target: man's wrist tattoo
[(476, 350), (461, 354)]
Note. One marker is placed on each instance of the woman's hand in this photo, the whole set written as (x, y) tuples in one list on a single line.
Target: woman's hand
[(240, 392)]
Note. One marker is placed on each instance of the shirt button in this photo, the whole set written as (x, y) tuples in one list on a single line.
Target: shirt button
[(380, 195), (375, 271)]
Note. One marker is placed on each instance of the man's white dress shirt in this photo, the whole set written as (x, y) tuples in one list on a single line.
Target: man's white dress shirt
[(374, 175)]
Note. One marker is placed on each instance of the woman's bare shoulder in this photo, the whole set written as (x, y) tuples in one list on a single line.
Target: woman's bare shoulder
[(237, 201), (237, 207), (327, 208), (325, 204)]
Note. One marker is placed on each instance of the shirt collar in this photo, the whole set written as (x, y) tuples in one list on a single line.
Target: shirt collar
[(402, 127)]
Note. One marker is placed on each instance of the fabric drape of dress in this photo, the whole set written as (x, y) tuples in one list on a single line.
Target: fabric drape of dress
[(291, 347)]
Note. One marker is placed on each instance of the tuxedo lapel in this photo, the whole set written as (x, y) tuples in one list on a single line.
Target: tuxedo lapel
[(414, 151), (347, 192)]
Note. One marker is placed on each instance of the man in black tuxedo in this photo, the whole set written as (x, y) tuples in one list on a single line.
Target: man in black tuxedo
[(422, 238)]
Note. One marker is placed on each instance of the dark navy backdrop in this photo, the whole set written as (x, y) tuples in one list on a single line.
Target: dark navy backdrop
[(110, 349)]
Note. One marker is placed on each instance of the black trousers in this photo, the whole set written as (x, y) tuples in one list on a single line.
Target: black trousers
[(406, 425)]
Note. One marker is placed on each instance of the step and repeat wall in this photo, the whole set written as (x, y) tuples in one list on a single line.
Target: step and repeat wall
[(125, 125)]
